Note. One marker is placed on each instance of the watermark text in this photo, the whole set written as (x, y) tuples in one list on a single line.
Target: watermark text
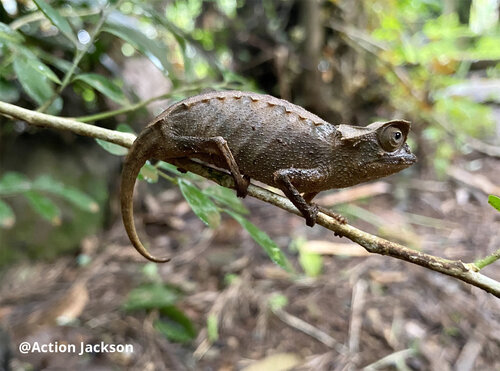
[(79, 348)]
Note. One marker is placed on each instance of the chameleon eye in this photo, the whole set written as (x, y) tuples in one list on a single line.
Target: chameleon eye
[(391, 138)]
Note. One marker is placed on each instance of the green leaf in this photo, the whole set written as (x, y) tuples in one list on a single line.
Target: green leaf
[(59, 63), (36, 64), (170, 168), (175, 170), (152, 49), (125, 128), (57, 20), (13, 182), (7, 217), (277, 301), (150, 272), (264, 241), (494, 201), (177, 327), (34, 82), (44, 206), (149, 173), (160, 19), (312, 263), (112, 148), (202, 206), (227, 197), (8, 92), (115, 149), (46, 184), (104, 86), (150, 296), (212, 328), (10, 35)]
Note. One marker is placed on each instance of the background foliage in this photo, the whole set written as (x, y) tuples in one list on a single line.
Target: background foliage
[(435, 63)]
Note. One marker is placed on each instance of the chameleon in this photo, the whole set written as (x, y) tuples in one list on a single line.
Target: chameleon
[(260, 137)]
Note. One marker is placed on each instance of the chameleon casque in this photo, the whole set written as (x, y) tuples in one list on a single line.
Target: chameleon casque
[(261, 137)]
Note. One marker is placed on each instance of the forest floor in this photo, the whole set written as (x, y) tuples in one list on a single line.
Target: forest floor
[(361, 310)]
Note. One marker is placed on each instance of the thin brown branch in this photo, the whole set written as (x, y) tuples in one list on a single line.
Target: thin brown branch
[(373, 244), (61, 123)]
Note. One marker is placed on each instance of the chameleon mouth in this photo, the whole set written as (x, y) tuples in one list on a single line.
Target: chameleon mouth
[(403, 158), (407, 158)]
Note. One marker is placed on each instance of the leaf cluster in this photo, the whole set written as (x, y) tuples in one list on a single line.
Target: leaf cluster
[(36, 193), (439, 68), (59, 45)]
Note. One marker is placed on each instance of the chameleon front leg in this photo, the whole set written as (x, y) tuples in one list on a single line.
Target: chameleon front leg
[(190, 146), (285, 179)]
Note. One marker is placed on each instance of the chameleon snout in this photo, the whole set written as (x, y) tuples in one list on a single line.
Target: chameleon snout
[(406, 156)]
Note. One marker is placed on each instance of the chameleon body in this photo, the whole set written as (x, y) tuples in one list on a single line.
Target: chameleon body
[(261, 137)]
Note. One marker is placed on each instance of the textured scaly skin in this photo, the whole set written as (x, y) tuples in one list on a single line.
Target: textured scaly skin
[(271, 140)]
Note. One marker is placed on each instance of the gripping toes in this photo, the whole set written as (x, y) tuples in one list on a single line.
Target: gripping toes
[(311, 214), (242, 183)]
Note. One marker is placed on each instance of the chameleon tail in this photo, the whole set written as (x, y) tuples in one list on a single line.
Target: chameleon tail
[(140, 152)]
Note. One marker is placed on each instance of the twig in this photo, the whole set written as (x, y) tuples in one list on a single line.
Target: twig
[(38, 16), (357, 303), (455, 268), (60, 123), (391, 359), (121, 110), (481, 263), (476, 181), (146, 102), (310, 330), (78, 57), (469, 353), (360, 191)]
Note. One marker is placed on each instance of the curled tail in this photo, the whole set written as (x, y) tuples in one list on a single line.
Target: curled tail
[(141, 151)]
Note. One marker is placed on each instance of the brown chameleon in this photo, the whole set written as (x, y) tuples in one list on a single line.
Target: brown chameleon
[(261, 137)]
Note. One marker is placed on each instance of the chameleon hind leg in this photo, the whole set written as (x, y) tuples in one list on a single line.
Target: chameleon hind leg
[(187, 146)]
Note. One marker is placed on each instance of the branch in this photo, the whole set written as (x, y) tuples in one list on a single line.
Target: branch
[(60, 123), (467, 272)]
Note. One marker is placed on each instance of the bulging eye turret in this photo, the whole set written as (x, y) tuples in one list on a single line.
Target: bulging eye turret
[(391, 138)]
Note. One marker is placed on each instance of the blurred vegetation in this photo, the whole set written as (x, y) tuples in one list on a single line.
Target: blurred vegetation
[(433, 62), (436, 60), (152, 295)]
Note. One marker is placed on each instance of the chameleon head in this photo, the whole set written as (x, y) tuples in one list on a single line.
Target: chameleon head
[(377, 150)]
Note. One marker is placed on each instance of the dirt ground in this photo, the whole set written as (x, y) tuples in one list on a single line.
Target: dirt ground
[(363, 310)]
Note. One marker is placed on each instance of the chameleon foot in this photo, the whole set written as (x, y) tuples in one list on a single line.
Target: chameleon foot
[(242, 184), (311, 214), (339, 218)]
